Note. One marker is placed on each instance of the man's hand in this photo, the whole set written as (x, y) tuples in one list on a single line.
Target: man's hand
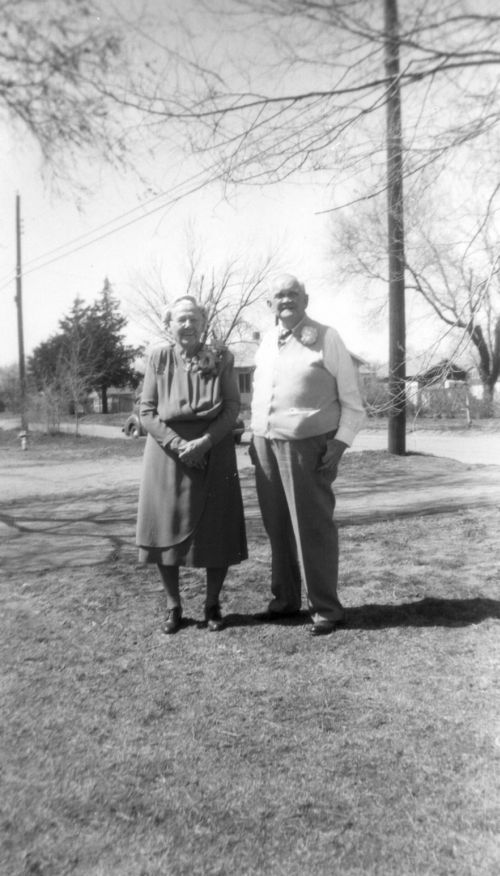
[(193, 453), (331, 457), (251, 452)]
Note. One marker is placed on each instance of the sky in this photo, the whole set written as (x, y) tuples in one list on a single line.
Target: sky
[(105, 223), (70, 243), (99, 222)]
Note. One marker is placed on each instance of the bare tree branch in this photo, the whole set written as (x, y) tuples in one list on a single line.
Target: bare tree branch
[(230, 293)]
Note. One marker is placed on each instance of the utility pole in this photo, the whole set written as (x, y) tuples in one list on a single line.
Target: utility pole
[(396, 241), (20, 332)]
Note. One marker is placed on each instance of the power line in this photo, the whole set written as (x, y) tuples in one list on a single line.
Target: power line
[(109, 222), (37, 263)]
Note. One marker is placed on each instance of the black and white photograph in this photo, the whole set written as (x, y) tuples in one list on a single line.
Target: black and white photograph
[(250, 437)]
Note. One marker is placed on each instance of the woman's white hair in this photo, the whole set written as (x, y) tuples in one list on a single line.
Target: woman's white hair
[(166, 316)]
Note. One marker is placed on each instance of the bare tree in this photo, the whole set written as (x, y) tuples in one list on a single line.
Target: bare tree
[(62, 371), (307, 94), (230, 293), (465, 297), (451, 264), (48, 405), (279, 86), (265, 89), (73, 378), (61, 62)]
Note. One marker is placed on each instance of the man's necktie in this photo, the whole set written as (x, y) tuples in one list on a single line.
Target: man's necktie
[(283, 335)]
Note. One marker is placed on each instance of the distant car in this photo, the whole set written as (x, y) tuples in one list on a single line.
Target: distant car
[(239, 428), (133, 428)]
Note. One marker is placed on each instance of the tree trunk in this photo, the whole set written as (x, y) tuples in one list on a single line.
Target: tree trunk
[(395, 230), (104, 400), (488, 397)]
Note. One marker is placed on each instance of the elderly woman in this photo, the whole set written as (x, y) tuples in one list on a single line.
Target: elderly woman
[(190, 507)]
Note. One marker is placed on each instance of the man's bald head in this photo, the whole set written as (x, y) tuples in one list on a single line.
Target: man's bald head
[(288, 300), (287, 281)]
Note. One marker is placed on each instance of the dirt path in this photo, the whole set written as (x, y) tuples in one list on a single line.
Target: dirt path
[(81, 512)]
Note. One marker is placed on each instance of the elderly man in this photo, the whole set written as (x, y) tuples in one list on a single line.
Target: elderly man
[(306, 410)]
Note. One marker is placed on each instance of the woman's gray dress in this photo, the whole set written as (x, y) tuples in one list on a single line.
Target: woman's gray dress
[(189, 516)]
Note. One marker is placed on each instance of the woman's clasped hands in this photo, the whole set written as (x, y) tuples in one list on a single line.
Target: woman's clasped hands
[(193, 453)]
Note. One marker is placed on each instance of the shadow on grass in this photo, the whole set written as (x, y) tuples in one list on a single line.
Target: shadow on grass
[(426, 612), (430, 612), (251, 620)]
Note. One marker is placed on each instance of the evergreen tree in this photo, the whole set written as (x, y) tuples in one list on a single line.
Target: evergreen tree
[(112, 358), (43, 362), (47, 364), (88, 353)]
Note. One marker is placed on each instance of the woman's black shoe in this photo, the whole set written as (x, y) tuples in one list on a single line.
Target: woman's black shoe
[(214, 619), (172, 621)]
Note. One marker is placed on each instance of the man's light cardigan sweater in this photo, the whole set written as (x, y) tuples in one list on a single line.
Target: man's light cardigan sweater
[(305, 387)]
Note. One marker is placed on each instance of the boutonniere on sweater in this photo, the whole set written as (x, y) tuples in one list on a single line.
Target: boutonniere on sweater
[(308, 335), (206, 360)]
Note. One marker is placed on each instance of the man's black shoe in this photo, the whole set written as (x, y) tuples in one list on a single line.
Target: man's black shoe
[(325, 627)]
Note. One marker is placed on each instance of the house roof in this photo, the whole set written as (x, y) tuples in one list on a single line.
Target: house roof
[(441, 371)]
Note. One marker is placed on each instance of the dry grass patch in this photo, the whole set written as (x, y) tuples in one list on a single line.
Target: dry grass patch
[(259, 750), (62, 447)]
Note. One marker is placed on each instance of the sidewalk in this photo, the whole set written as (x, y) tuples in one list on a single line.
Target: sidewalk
[(469, 446)]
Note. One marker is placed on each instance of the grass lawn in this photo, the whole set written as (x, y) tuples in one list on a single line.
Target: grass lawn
[(259, 750)]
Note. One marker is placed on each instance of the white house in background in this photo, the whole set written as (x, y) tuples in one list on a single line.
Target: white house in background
[(244, 365), (119, 401)]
